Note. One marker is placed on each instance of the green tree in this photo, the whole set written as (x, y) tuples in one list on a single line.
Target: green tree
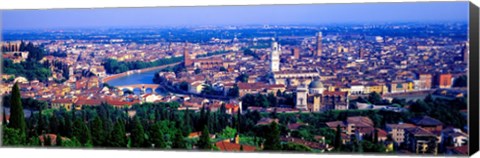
[(17, 117), (272, 140), (47, 141), (97, 131), (242, 78), (138, 134), (118, 135), (460, 81), (179, 141), (223, 69), (4, 118), (375, 98), (204, 141), (81, 132), (338, 138), (12, 137), (197, 71), (234, 91), (295, 147), (54, 124), (228, 133), (157, 137), (59, 141)]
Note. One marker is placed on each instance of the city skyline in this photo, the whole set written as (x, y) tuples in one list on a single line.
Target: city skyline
[(316, 14)]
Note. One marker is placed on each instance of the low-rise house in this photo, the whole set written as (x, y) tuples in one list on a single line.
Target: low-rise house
[(454, 137), (421, 141), (428, 123), (397, 131)]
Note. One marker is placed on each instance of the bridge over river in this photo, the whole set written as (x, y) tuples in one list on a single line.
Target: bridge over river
[(143, 87)]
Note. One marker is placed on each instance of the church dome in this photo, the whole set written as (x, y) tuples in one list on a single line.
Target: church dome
[(315, 84)]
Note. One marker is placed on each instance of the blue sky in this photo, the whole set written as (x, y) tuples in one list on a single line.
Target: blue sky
[(236, 15)]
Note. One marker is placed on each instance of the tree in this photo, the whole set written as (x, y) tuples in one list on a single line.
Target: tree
[(242, 78), (157, 137), (460, 81), (97, 131), (295, 147), (118, 135), (54, 124), (228, 133), (138, 134), (197, 71), (179, 141), (338, 138), (234, 91), (375, 98), (59, 141), (204, 141), (47, 141), (4, 117), (17, 117), (183, 86), (272, 140), (279, 93), (272, 100), (223, 69), (81, 132), (12, 137)]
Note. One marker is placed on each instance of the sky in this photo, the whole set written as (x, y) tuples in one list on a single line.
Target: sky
[(236, 15)]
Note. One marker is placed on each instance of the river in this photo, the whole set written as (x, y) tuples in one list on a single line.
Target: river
[(137, 78)]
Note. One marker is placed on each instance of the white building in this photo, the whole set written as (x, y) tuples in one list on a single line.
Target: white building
[(275, 57)]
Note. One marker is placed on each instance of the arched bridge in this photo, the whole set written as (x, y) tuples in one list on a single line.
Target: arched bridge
[(142, 87)]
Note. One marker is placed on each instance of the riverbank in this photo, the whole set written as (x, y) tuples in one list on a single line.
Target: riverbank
[(115, 76)]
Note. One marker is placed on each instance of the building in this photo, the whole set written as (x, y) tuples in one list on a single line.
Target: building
[(65, 103), (428, 123), (187, 60), (421, 141), (425, 82), (316, 98), (301, 100), (275, 57), (397, 131), (296, 53), (293, 78), (445, 80), (454, 137), (319, 44)]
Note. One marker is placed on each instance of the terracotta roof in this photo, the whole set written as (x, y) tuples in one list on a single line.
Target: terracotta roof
[(227, 146), (360, 121), (62, 101), (194, 134), (426, 121), (334, 124), (266, 121), (335, 93), (295, 126), (419, 131), (85, 101), (257, 85), (461, 150), (401, 126)]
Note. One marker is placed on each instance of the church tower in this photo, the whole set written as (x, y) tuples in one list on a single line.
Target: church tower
[(319, 44), (186, 56), (275, 57)]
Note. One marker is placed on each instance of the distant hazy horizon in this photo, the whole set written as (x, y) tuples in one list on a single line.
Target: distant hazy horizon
[(302, 14)]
